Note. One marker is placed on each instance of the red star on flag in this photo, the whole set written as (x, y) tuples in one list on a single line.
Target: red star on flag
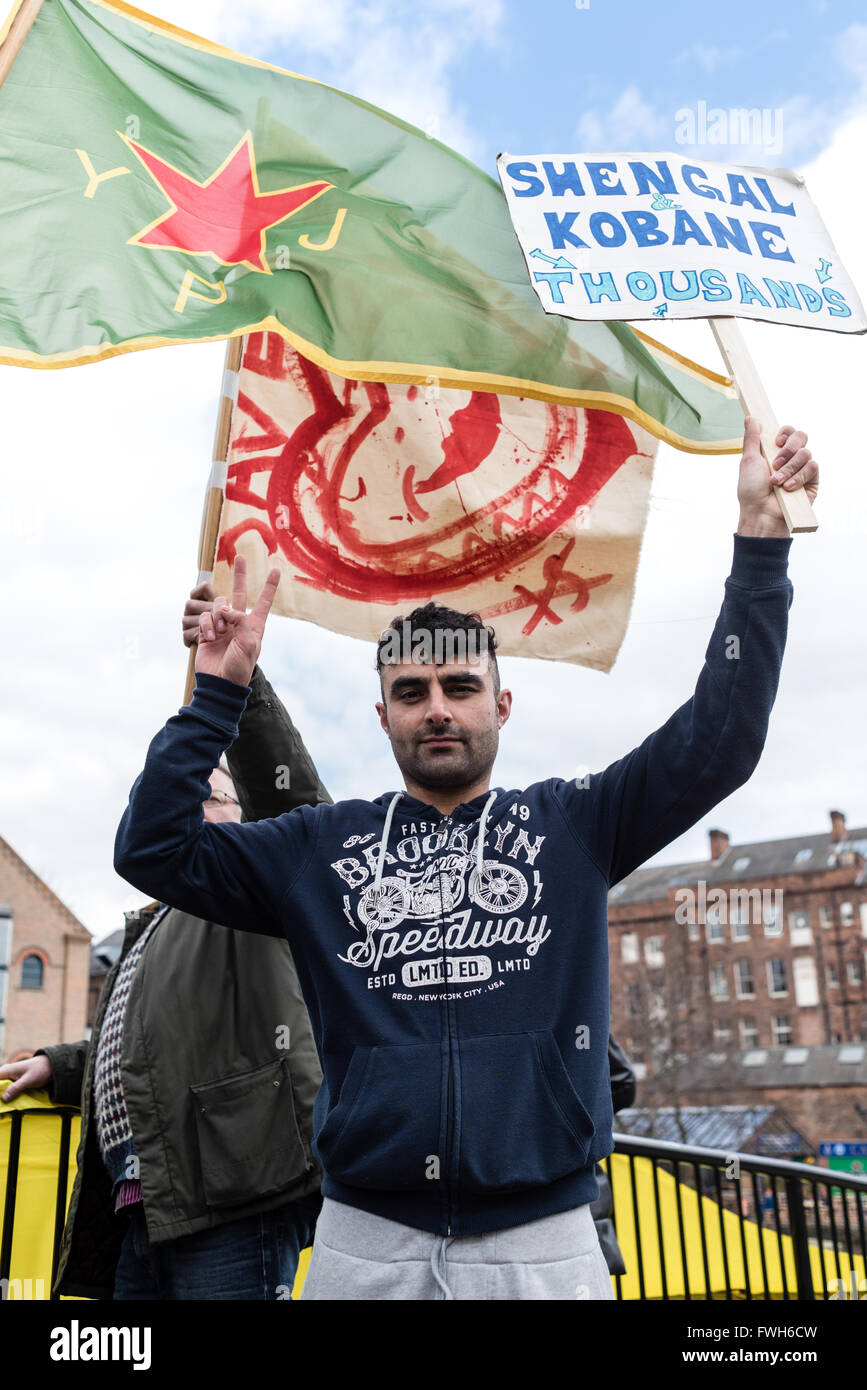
[(226, 216)]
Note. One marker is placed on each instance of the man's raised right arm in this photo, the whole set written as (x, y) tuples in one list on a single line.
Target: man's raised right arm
[(237, 875)]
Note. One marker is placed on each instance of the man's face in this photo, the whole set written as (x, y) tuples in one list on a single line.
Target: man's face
[(218, 808), (443, 720)]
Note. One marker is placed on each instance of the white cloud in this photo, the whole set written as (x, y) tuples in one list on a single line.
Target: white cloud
[(397, 55), (851, 51), (630, 124), (709, 56)]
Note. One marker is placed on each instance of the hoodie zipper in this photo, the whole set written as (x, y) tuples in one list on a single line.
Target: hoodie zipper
[(450, 1012), (450, 1082)]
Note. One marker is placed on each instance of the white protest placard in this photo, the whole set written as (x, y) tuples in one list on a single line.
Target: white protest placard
[(650, 236)]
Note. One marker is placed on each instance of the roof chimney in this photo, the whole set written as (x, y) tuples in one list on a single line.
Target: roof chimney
[(838, 826), (719, 843)]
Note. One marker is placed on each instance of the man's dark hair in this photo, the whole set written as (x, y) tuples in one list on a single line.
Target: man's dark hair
[(425, 623)]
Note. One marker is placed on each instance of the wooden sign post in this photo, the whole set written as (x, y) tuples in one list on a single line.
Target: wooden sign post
[(216, 484), (795, 506)]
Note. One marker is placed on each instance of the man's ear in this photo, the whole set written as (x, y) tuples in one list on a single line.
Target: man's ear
[(383, 717), (504, 706)]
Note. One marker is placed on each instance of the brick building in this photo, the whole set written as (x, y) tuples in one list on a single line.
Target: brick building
[(821, 1091), (760, 946), (44, 962)]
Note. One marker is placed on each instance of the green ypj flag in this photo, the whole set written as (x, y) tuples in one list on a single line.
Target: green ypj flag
[(156, 188)]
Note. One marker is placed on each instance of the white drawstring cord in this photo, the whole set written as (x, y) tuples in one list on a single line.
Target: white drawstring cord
[(383, 844), (480, 844), (438, 1263)]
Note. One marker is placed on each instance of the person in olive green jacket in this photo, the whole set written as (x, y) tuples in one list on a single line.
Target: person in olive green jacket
[(196, 1177)]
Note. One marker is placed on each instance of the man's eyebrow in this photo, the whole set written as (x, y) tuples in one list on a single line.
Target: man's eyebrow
[(464, 678), (409, 683)]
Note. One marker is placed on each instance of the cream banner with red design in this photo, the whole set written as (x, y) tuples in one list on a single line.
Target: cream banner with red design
[(374, 498)]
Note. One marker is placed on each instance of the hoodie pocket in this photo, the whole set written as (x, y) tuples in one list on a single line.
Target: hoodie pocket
[(384, 1130), (249, 1141), (522, 1123)]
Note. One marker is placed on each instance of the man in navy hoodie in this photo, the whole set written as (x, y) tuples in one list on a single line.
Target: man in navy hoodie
[(450, 939)]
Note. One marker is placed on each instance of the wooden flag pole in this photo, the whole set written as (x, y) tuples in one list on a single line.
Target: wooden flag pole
[(216, 484), (18, 31), (795, 506)]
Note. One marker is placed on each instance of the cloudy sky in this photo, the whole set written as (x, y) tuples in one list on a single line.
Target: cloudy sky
[(104, 466)]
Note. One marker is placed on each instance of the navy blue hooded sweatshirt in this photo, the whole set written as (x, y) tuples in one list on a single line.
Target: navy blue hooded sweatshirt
[(455, 968)]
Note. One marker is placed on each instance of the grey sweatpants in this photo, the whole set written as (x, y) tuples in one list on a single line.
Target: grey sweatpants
[(360, 1256)]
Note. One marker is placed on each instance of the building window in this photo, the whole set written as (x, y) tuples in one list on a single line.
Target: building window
[(749, 1032), (782, 1030), (722, 1034), (740, 920), (777, 983), (633, 998), (657, 1012), (805, 981), (799, 929), (863, 911), (773, 920), (629, 948), (847, 914), (695, 930), (740, 864), (31, 972), (803, 855), (744, 985), (714, 924), (824, 916), (719, 984), (853, 972), (653, 952), (831, 979)]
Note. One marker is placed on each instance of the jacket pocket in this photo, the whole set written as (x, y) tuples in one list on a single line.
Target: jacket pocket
[(522, 1123), (249, 1141), (384, 1130)]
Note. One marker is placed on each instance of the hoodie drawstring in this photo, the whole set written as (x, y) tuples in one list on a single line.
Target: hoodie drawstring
[(389, 817), (480, 844), (383, 844), (438, 1265)]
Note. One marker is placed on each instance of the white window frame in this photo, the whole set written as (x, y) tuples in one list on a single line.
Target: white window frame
[(772, 920), (739, 994), (654, 952), (777, 1040), (719, 972), (626, 953), (777, 993)]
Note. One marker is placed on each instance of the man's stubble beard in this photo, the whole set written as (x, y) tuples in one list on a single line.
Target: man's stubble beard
[(479, 755)]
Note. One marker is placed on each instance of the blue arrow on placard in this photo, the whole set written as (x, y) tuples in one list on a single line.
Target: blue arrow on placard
[(823, 272), (558, 262)]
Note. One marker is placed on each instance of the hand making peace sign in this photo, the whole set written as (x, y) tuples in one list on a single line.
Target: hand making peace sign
[(230, 638)]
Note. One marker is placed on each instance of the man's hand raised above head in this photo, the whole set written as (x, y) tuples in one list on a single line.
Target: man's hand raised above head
[(230, 638), (793, 467)]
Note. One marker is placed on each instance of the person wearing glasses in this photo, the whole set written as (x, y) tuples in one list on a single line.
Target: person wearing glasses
[(196, 1177)]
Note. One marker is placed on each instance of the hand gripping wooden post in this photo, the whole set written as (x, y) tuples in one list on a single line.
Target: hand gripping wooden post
[(795, 506), (216, 484)]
